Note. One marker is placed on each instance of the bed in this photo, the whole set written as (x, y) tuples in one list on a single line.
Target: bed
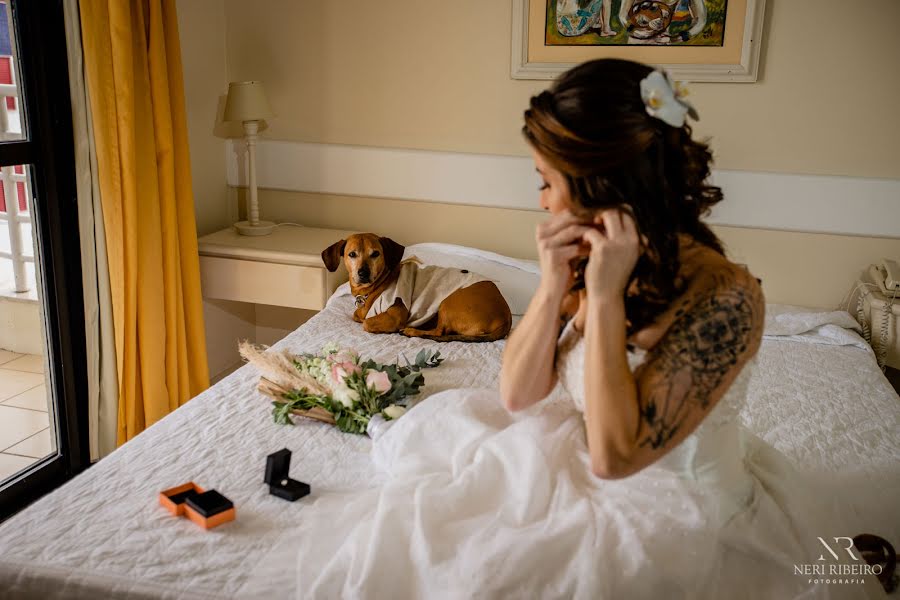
[(818, 396)]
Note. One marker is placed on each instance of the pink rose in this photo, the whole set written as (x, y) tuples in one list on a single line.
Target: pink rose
[(379, 381), (341, 370), (351, 367)]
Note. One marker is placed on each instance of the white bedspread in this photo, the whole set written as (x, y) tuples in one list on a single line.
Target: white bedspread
[(103, 534)]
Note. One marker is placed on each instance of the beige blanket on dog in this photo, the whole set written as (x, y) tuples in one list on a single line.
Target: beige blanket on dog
[(422, 290)]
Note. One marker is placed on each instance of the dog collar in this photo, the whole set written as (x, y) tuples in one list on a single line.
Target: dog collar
[(360, 300)]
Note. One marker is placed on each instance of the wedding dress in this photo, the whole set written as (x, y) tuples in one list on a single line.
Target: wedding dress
[(482, 503)]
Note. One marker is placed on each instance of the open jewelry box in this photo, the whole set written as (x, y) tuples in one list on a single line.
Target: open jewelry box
[(278, 465), (207, 509)]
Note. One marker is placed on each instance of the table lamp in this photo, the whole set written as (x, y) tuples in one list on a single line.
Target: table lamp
[(247, 103)]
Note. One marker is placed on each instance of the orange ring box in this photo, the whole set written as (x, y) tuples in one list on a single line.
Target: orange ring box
[(175, 501)]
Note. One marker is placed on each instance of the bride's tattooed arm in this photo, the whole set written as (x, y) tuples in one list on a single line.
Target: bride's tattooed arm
[(715, 331), (633, 419)]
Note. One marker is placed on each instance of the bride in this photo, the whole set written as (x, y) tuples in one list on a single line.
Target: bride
[(612, 463)]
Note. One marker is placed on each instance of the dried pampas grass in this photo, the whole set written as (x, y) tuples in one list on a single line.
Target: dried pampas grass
[(278, 367), (280, 377)]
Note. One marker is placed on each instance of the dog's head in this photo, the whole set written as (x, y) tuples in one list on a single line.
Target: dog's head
[(366, 256)]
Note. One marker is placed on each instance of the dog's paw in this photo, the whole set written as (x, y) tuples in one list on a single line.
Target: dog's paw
[(376, 325)]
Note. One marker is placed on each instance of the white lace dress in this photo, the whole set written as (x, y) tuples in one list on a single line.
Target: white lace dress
[(482, 503)]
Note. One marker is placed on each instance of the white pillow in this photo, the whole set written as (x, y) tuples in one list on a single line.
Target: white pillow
[(789, 319), (517, 279)]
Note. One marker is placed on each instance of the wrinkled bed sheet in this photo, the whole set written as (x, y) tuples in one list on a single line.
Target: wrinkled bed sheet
[(824, 404)]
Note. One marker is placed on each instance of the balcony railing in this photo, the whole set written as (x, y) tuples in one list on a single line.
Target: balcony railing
[(13, 217)]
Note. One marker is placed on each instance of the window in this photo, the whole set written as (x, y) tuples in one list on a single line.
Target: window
[(39, 245)]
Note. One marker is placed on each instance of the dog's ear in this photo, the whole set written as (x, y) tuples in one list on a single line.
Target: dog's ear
[(331, 255), (393, 252)]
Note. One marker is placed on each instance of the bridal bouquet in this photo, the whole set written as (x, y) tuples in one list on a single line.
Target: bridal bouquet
[(336, 386)]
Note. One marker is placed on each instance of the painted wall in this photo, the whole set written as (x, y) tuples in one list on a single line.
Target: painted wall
[(21, 327), (810, 269), (201, 25), (437, 77)]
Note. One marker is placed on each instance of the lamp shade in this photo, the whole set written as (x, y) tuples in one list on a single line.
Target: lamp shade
[(246, 102)]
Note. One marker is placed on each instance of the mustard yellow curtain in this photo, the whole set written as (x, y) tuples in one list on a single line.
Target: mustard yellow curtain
[(135, 84)]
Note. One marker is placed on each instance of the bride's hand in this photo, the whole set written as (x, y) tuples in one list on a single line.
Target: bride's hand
[(614, 251), (559, 240)]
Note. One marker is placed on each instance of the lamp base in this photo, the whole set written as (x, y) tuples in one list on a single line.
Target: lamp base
[(263, 228)]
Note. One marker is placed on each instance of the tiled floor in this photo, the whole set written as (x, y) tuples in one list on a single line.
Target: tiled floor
[(25, 433)]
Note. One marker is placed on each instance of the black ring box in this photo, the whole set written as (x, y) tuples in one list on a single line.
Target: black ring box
[(209, 503), (278, 464)]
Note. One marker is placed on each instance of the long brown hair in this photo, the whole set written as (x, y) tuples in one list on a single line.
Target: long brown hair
[(593, 127)]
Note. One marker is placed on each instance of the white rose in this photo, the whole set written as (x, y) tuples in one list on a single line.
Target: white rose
[(345, 395), (394, 412)]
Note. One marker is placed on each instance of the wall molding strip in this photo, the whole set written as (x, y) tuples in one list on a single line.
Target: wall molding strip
[(791, 202)]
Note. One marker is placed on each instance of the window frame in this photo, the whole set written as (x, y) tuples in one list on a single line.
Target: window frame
[(48, 147)]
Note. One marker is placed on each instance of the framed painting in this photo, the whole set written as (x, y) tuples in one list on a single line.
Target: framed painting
[(696, 40)]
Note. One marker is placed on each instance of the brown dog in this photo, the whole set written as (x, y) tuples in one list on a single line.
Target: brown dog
[(474, 313)]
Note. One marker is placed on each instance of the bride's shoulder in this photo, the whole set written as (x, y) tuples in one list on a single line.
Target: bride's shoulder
[(706, 272), (723, 296), (714, 292), (715, 277)]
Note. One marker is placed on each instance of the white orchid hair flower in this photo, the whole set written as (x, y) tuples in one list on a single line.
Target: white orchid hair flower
[(665, 99)]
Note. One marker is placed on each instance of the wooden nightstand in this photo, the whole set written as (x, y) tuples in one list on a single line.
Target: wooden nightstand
[(281, 269)]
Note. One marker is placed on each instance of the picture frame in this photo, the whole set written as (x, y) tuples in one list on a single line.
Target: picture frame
[(737, 60)]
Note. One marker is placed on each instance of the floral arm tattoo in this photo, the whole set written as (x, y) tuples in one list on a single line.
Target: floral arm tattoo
[(713, 333)]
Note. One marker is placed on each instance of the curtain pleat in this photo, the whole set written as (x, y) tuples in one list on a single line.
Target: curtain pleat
[(103, 386), (133, 66)]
